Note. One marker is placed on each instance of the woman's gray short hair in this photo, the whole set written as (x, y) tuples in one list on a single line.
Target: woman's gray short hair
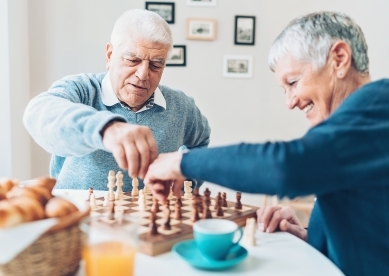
[(141, 23), (310, 38)]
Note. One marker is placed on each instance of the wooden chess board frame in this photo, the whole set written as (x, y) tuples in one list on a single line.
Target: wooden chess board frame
[(182, 229)]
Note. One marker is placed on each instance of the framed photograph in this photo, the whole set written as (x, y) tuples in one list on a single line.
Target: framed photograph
[(201, 2), (244, 30), (201, 29), (237, 66), (164, 9), (177, 56)]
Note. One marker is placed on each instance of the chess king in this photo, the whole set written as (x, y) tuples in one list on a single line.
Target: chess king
[(119, 119)]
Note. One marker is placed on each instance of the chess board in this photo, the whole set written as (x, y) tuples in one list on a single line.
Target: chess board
[(180, 229)]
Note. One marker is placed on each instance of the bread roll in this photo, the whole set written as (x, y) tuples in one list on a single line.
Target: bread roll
[(9, 215), (7, 184), (30, 208), (59, 207)]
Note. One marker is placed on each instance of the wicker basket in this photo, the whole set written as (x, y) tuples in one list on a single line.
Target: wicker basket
[(56, 253)]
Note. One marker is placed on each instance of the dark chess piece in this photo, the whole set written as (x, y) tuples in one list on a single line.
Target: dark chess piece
[(177, 209), (111, 210), (217, 202), (206, 212), (224, 202), (219, 210), (166, 213), (238, 204), (155, 207), (195, 211), (90, 193), (153, 228)]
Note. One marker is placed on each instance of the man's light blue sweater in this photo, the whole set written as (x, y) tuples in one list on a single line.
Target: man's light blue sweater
[(67, 119)]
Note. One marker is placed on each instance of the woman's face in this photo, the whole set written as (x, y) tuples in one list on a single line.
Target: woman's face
[(310, 91)]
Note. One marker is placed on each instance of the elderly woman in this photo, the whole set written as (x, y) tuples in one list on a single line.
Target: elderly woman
[(321, 61)]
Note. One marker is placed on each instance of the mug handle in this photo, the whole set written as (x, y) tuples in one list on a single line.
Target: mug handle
[(240, 235)]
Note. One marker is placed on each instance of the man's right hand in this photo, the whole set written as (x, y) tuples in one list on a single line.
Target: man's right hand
[(280, 218), (133, 147)]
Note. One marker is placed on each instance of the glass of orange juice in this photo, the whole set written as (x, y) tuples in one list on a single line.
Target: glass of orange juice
[(109, 246)]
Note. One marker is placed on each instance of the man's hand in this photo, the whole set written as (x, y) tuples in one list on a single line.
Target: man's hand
[(164, 171), (281, 218), (133, 147)]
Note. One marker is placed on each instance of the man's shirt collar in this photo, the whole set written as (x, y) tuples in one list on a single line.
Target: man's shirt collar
[(109, 97)]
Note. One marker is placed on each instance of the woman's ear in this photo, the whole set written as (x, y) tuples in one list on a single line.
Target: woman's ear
[(340, 56)]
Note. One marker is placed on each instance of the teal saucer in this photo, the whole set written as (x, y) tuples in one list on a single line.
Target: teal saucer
[(187, 250)]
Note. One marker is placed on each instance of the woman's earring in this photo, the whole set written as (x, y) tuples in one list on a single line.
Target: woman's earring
[(340, 74)]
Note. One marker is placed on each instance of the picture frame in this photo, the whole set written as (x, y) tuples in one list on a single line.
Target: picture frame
[(164, 9), (237, 66), (244, 30), (201, 29), (177, 56), (205, 3)]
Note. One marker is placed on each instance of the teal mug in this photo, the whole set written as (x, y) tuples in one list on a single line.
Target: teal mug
[(216, 237)]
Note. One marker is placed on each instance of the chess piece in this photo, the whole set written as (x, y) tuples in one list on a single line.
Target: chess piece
[(135, 184), (238, 204), (166, 214), (111, 185), (177, 209), (90, 192), (199, 200), (170, 197), (249, 232), (119, 185), (155, 207), (153, 228), (188, 189), (106, 200), (224, 201), (92, 201), (219, 211), (111, 210), (195, 212), (206, 203), (142, 201), (216, 202)]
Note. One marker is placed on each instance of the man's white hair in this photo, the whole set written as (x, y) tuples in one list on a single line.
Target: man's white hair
[(144, 24), (310, 38)]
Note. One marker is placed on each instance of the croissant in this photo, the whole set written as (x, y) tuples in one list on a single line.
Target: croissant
[(59, 207), (2, 193), (29, 208), (9, 215), (46, 182), (7, 184), (41, 194)]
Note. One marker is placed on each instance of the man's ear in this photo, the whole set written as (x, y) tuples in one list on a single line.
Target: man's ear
[(340, 56), (108, 54)]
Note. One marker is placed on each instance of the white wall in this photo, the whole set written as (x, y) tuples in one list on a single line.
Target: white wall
[(15, 154), (68, 37)]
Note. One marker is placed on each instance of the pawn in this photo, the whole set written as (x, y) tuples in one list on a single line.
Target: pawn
[(153, 228), (166, 214), (224, 202), (90, 192), (238, 204), (142, 201), (106, 200), (206, 211), (219, 211), (155, 206), (195, 212), (177, 209), (135, 184), (92, 201)]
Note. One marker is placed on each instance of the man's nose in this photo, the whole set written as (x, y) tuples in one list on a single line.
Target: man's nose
[(291, 100), (142, 71)]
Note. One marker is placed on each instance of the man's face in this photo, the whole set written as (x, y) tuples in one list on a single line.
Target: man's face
[(135, 68), (310, 91)]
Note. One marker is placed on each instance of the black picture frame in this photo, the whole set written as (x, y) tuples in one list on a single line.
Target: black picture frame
[(164, 9), (177, 56), (244, 30)]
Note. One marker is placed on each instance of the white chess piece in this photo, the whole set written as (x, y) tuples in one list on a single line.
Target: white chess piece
[(170, 197), (188, 189), (92, 201), (135, 184), (249, 232), (119, 185), (111, 185), (106, 200), (142, 201)]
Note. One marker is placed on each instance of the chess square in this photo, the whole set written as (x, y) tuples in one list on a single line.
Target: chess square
[(224, 215), (122, 202), (172, 221), (143, 230), (244, 208), (187, 222)]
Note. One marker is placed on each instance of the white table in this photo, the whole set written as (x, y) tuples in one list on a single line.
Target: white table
[(275, 254)]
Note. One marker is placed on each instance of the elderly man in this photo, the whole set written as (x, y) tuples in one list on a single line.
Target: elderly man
[(94, 123)]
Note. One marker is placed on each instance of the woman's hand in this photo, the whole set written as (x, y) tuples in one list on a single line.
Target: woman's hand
[(280, 218)]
